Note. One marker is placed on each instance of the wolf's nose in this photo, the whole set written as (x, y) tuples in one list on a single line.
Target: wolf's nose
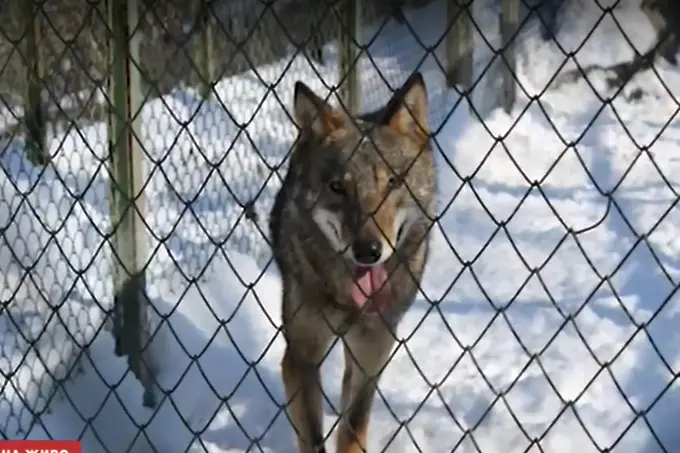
[(367, 251)]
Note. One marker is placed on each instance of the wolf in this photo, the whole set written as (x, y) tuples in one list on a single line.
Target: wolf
[(350, 229)]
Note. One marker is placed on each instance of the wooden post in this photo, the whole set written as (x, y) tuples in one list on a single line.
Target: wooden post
[(316, 41), (34, 114), (459, 44), (129, 239), (548, 10), (206, 48), (665, 19), (209, 46), (350, 88), (509, 19)]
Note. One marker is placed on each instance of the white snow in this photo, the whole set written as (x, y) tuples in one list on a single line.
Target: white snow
[(548, 319)]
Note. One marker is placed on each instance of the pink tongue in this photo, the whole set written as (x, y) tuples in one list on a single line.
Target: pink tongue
[(370, 281)]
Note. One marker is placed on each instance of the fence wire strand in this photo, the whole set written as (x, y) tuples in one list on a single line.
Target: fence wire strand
[(215, 144)]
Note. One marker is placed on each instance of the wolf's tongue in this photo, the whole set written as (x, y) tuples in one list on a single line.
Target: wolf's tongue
[(371, 282)]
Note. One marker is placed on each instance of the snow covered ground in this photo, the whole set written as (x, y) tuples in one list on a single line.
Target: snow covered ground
[(548, 318)]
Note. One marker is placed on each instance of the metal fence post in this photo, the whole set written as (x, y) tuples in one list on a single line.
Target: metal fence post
[(34, 115), (459, 44), (349, 75), (129, 239), (509, 20)]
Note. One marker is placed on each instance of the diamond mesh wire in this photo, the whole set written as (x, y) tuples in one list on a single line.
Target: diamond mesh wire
[(213, 171)]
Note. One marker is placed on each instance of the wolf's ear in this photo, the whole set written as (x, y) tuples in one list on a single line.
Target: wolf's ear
[(407, 110), (313, 113)]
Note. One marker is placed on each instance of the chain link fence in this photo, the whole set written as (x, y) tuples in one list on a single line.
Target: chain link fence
[(143, 144)]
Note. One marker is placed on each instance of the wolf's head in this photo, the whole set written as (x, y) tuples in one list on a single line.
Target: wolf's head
[(366, 181)]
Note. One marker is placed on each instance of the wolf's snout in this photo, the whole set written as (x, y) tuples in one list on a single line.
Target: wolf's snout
[(367, 251)]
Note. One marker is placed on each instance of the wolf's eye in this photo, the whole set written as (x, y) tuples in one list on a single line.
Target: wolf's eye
[(337, 187)]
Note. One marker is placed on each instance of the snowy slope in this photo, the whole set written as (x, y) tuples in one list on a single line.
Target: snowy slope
[(547, 317)]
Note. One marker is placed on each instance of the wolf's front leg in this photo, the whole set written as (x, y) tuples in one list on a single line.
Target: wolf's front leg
[(307, 341), (303, 392), (366, 354)]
